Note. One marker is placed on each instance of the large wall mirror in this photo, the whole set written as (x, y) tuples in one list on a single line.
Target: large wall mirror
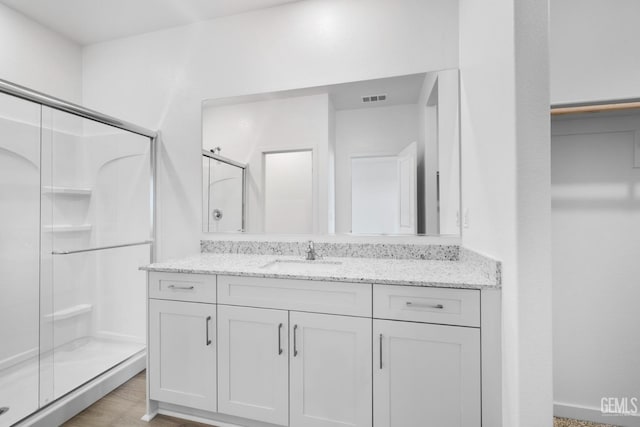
[(376, 157)]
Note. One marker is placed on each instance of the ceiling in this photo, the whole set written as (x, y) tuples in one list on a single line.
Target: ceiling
[(346, 96), (399, 90), (93, 21)]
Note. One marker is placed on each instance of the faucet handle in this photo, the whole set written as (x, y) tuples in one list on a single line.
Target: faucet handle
[(311, 252)]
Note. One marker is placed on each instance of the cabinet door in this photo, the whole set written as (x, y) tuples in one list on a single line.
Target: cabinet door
[(253, 364), (330, 370), (182, 355), (425, 375)]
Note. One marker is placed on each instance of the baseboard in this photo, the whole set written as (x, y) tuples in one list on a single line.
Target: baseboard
[(205, 417), (84, 396), (585, 413)]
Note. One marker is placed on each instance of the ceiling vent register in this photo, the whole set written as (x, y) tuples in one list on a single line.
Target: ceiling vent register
[(374, 98)]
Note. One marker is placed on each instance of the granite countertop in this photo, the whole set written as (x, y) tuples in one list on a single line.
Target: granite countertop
[(412, 272)]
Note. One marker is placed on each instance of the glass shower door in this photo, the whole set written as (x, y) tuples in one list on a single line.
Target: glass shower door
[(19, 257), (96, 232)]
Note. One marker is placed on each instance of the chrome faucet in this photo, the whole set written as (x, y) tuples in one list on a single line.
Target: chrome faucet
[(311, 252)]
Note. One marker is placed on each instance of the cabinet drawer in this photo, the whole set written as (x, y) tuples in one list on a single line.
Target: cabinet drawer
[(183, 287), (429, 305), (352, 299)]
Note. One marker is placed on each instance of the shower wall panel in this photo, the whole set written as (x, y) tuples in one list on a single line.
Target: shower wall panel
[(19, 255)]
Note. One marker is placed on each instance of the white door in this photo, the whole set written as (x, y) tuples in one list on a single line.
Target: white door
[(253, 363), (288, 192), (408, 191), (182, 353), (374, 195), (425, 375), (330, 370)]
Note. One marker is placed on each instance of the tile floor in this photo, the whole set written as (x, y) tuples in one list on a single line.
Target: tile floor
[(565, 422)]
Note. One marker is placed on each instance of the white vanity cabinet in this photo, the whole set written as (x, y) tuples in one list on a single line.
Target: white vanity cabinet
[(182, 354), (253, 363), (309, 353), (287, 367), (330, 373), (426, 374), (182, 343), (293, 368)]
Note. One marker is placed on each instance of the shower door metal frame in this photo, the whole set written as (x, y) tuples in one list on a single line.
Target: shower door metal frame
[(230, 162), (78, 110)]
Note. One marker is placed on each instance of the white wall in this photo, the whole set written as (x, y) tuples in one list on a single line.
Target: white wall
[(596, 240), (505, 182), (38, 58), (368, 132), (159, 79), (594, 50), (246, 131)]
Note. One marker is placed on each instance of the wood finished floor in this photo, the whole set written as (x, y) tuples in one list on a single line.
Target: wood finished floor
[(124, 407)]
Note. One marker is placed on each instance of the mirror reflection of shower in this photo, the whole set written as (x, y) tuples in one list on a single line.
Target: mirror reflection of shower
[(223, 193)]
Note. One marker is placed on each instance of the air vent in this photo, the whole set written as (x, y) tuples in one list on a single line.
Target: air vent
[(374, 98)]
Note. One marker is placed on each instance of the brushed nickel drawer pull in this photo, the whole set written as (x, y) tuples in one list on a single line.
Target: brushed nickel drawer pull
[(380, 351), (295, 342), (438, 306), (185, 288), (207, 322), (280, 339)]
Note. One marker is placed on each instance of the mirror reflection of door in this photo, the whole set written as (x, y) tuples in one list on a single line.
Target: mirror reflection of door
[(384, 194), (288, 192), (432, 178), (407, 189)]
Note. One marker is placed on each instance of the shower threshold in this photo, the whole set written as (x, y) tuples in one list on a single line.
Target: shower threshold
[(62, 370)]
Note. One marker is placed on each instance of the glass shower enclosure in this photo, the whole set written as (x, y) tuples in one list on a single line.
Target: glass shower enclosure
[(76, 222), (223, 194)]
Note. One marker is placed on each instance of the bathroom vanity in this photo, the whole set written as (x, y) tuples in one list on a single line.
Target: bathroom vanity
[(258, 340)]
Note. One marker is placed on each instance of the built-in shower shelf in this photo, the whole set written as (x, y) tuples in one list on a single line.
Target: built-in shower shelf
[(66, 228), (69, 191), (69, 313)]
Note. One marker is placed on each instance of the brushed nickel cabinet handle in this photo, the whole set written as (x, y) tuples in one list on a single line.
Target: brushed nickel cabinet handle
[(412, 304), (208, 341), (380, 351), (187, 288), (295, 342), (280, 339)]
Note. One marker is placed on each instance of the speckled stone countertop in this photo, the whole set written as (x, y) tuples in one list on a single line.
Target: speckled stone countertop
[(464, 273)]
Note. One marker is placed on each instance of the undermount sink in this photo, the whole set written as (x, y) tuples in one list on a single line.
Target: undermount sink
[(298, 264)]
